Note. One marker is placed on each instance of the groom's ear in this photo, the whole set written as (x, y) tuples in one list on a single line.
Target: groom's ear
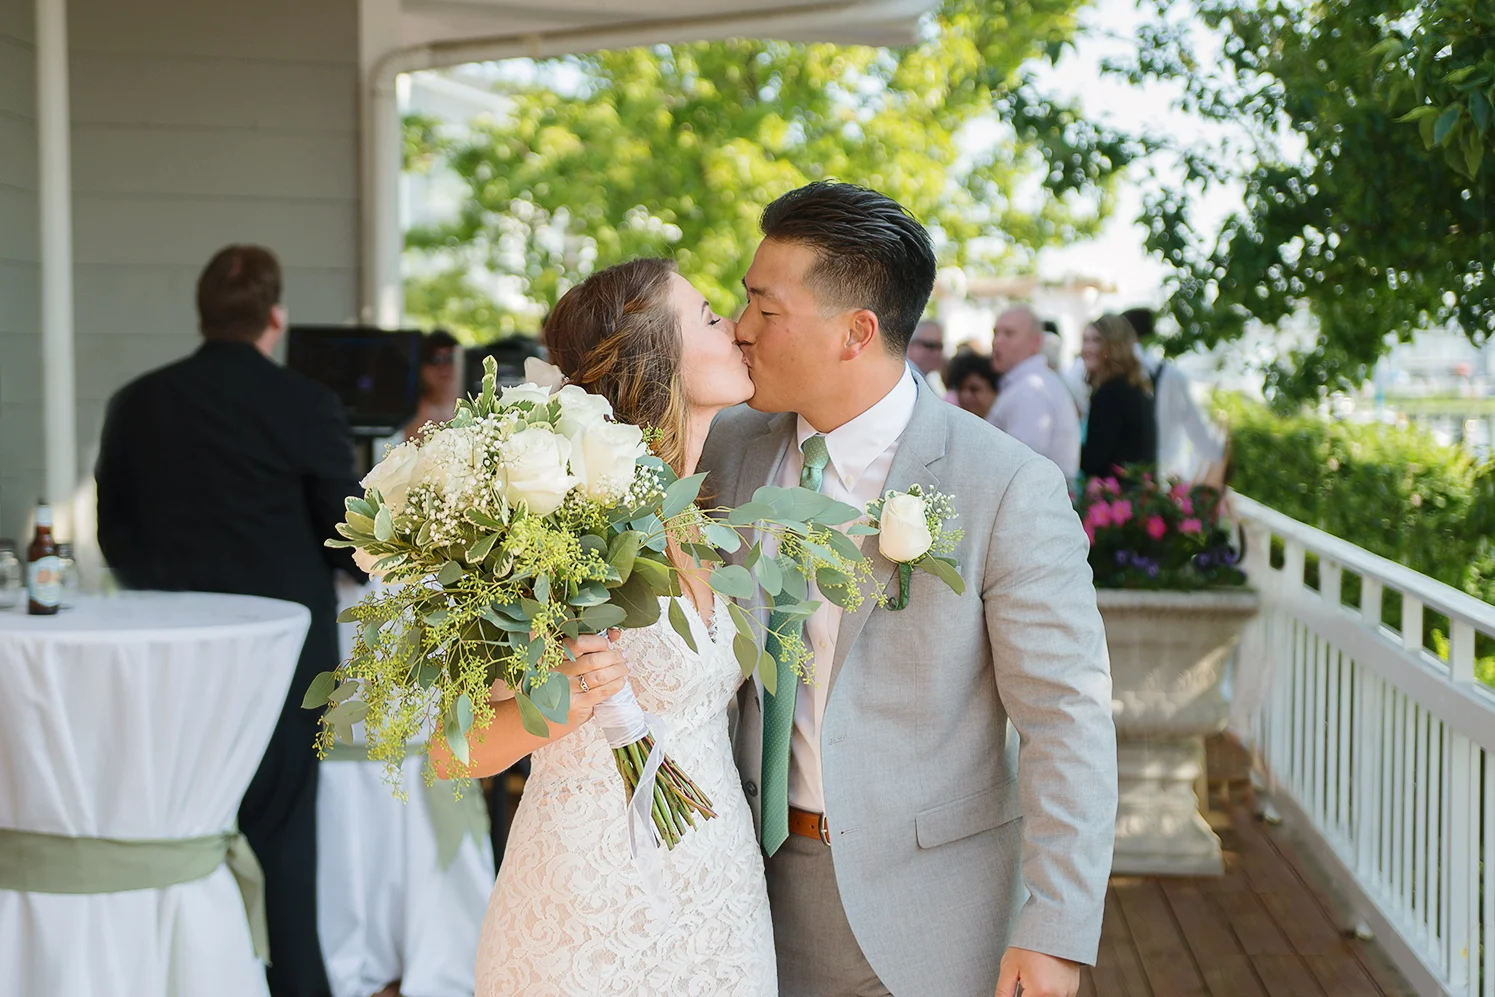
[(862, 333)]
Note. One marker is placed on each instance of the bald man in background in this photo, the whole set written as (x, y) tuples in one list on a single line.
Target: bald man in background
[(1034, 406)]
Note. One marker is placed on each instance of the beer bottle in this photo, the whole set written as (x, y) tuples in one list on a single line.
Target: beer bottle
[(43, 567)]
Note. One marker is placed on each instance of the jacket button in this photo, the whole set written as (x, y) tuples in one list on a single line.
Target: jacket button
[(750, 788)]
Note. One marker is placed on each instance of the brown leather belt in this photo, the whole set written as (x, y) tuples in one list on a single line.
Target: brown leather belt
[(808, 825)]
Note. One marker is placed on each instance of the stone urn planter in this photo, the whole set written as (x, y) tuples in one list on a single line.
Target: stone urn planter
[(1169, 652)]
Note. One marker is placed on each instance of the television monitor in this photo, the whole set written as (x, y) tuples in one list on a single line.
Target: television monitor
[(510, 355), (375, 372)]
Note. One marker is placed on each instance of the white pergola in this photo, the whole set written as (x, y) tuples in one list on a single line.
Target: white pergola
[(394, 37)]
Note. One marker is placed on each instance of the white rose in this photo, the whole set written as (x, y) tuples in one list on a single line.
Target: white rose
[(535, 469), (523, 393), (447, 462), (393, 476), (547, 376), (366, 562), (903, 530), (580, 410), (603, 456)]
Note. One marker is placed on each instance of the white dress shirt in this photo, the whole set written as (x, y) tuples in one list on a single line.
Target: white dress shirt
[(861, 452), (1034, 407)]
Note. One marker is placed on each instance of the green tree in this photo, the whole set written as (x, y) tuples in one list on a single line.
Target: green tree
[(1379, 222), (675, 150)]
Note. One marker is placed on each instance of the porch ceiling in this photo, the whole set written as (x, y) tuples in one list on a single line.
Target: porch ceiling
[(441, 23)]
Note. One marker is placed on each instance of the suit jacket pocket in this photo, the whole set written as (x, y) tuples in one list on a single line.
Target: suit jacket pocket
[(982, 811)]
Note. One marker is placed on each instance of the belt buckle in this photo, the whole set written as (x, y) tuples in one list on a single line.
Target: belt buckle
[(825, 830)]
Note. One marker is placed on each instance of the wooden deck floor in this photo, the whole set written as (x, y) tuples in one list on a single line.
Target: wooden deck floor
[(1264, 929)]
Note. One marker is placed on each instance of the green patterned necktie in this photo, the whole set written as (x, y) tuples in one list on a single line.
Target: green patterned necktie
[(778, 711)]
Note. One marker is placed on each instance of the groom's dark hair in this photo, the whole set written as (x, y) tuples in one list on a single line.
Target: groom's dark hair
[(871, 252)]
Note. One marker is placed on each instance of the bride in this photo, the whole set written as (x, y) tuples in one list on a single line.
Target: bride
[(569, 916)]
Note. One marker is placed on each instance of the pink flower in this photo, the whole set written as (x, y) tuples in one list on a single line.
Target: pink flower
[(1186, 506), (1156, 527), (1191, 526), (1121, 512), (1093, 487), (1099, 515), (1090, 532), (1113, 486)]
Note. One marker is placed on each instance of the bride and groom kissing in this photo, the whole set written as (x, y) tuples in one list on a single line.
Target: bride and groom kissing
[(877, 830)]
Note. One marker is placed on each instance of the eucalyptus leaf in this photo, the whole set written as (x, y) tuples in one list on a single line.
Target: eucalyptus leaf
[(553, 697), (839, 595), (843, 545), (836, 513), (653, 530), (749, 513), (531, 717), (652, 573), (606, 616), (732, 581), (349, 615), (622, 552), (741, 620), (592, 542), (795, 584), (321, 687), (531, 608), (450, 574), (945, 570), (534, 650), (703, 553), (769, 575), (371, 635), (638, 600), (746, 651), (679, 496), (464, 713), (589, 594), (435, 618), (723, 537), (768, 666), (861, 530), (754, 553), (681, 625), (384, 525), (542, 589)]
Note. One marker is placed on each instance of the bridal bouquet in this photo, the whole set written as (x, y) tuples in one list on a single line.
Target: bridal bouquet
[(532, 517)]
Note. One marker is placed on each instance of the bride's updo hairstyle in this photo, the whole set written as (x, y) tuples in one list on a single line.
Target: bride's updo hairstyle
[(617, 334)]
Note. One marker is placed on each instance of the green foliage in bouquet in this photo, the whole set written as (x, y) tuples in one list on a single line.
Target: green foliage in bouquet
[(531, 518), (1147, 535)]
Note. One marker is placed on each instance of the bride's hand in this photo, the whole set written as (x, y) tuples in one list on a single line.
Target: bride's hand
[(596, 674)]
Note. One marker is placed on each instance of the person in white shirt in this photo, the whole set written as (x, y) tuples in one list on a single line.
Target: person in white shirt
[(1189, 447), (1034, 406)]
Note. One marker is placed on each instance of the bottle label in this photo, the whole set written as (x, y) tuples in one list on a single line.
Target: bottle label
[(44, 580)]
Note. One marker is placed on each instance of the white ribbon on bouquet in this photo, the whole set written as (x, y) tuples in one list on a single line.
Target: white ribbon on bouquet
[(624, 722)]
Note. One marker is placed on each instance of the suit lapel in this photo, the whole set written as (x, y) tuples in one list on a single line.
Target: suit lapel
[(922, 444), (761, 457)]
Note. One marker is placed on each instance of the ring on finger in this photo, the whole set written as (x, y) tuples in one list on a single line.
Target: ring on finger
[(581, 680)]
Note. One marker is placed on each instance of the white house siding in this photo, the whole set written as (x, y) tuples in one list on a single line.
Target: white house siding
[(194, 125), (20, 320)]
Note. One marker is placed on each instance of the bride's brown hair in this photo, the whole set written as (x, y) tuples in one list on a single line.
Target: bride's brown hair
[(617, 334)]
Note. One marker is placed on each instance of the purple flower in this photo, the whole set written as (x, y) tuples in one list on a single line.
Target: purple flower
[(1122, 555), (1152, 571)]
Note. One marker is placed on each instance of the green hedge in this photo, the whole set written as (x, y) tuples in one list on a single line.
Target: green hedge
[(1395, 492)]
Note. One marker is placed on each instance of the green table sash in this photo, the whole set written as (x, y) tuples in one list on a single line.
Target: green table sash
[(451, 819), (34, 862)]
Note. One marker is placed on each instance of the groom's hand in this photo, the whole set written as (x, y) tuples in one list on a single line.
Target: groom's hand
[(1039, 975)]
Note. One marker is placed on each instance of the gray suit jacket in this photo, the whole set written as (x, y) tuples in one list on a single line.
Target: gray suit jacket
[(947, 849)]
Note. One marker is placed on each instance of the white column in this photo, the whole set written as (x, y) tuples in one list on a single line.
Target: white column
[(55, 186), (383, 297)]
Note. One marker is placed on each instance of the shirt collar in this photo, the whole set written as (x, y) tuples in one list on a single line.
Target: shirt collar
[(854, 446)]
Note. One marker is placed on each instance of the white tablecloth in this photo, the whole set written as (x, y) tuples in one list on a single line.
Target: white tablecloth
[(142, 716), (386, 910)]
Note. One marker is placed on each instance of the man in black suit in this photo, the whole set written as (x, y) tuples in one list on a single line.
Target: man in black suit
[(224, 472)]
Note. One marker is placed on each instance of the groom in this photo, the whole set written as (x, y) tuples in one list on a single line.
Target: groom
[(909, 850)]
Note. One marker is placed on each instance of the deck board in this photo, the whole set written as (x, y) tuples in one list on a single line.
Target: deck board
[(1261, 929)]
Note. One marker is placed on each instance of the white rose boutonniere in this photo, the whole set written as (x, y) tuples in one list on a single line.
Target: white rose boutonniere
[(912, 533)]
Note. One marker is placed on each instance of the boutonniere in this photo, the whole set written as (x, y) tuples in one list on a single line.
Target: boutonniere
[(912, 533)]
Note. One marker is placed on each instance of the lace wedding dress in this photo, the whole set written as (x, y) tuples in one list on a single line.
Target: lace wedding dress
[(569, 916)]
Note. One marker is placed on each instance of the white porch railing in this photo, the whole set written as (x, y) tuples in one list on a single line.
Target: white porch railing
[(1381, 750)]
